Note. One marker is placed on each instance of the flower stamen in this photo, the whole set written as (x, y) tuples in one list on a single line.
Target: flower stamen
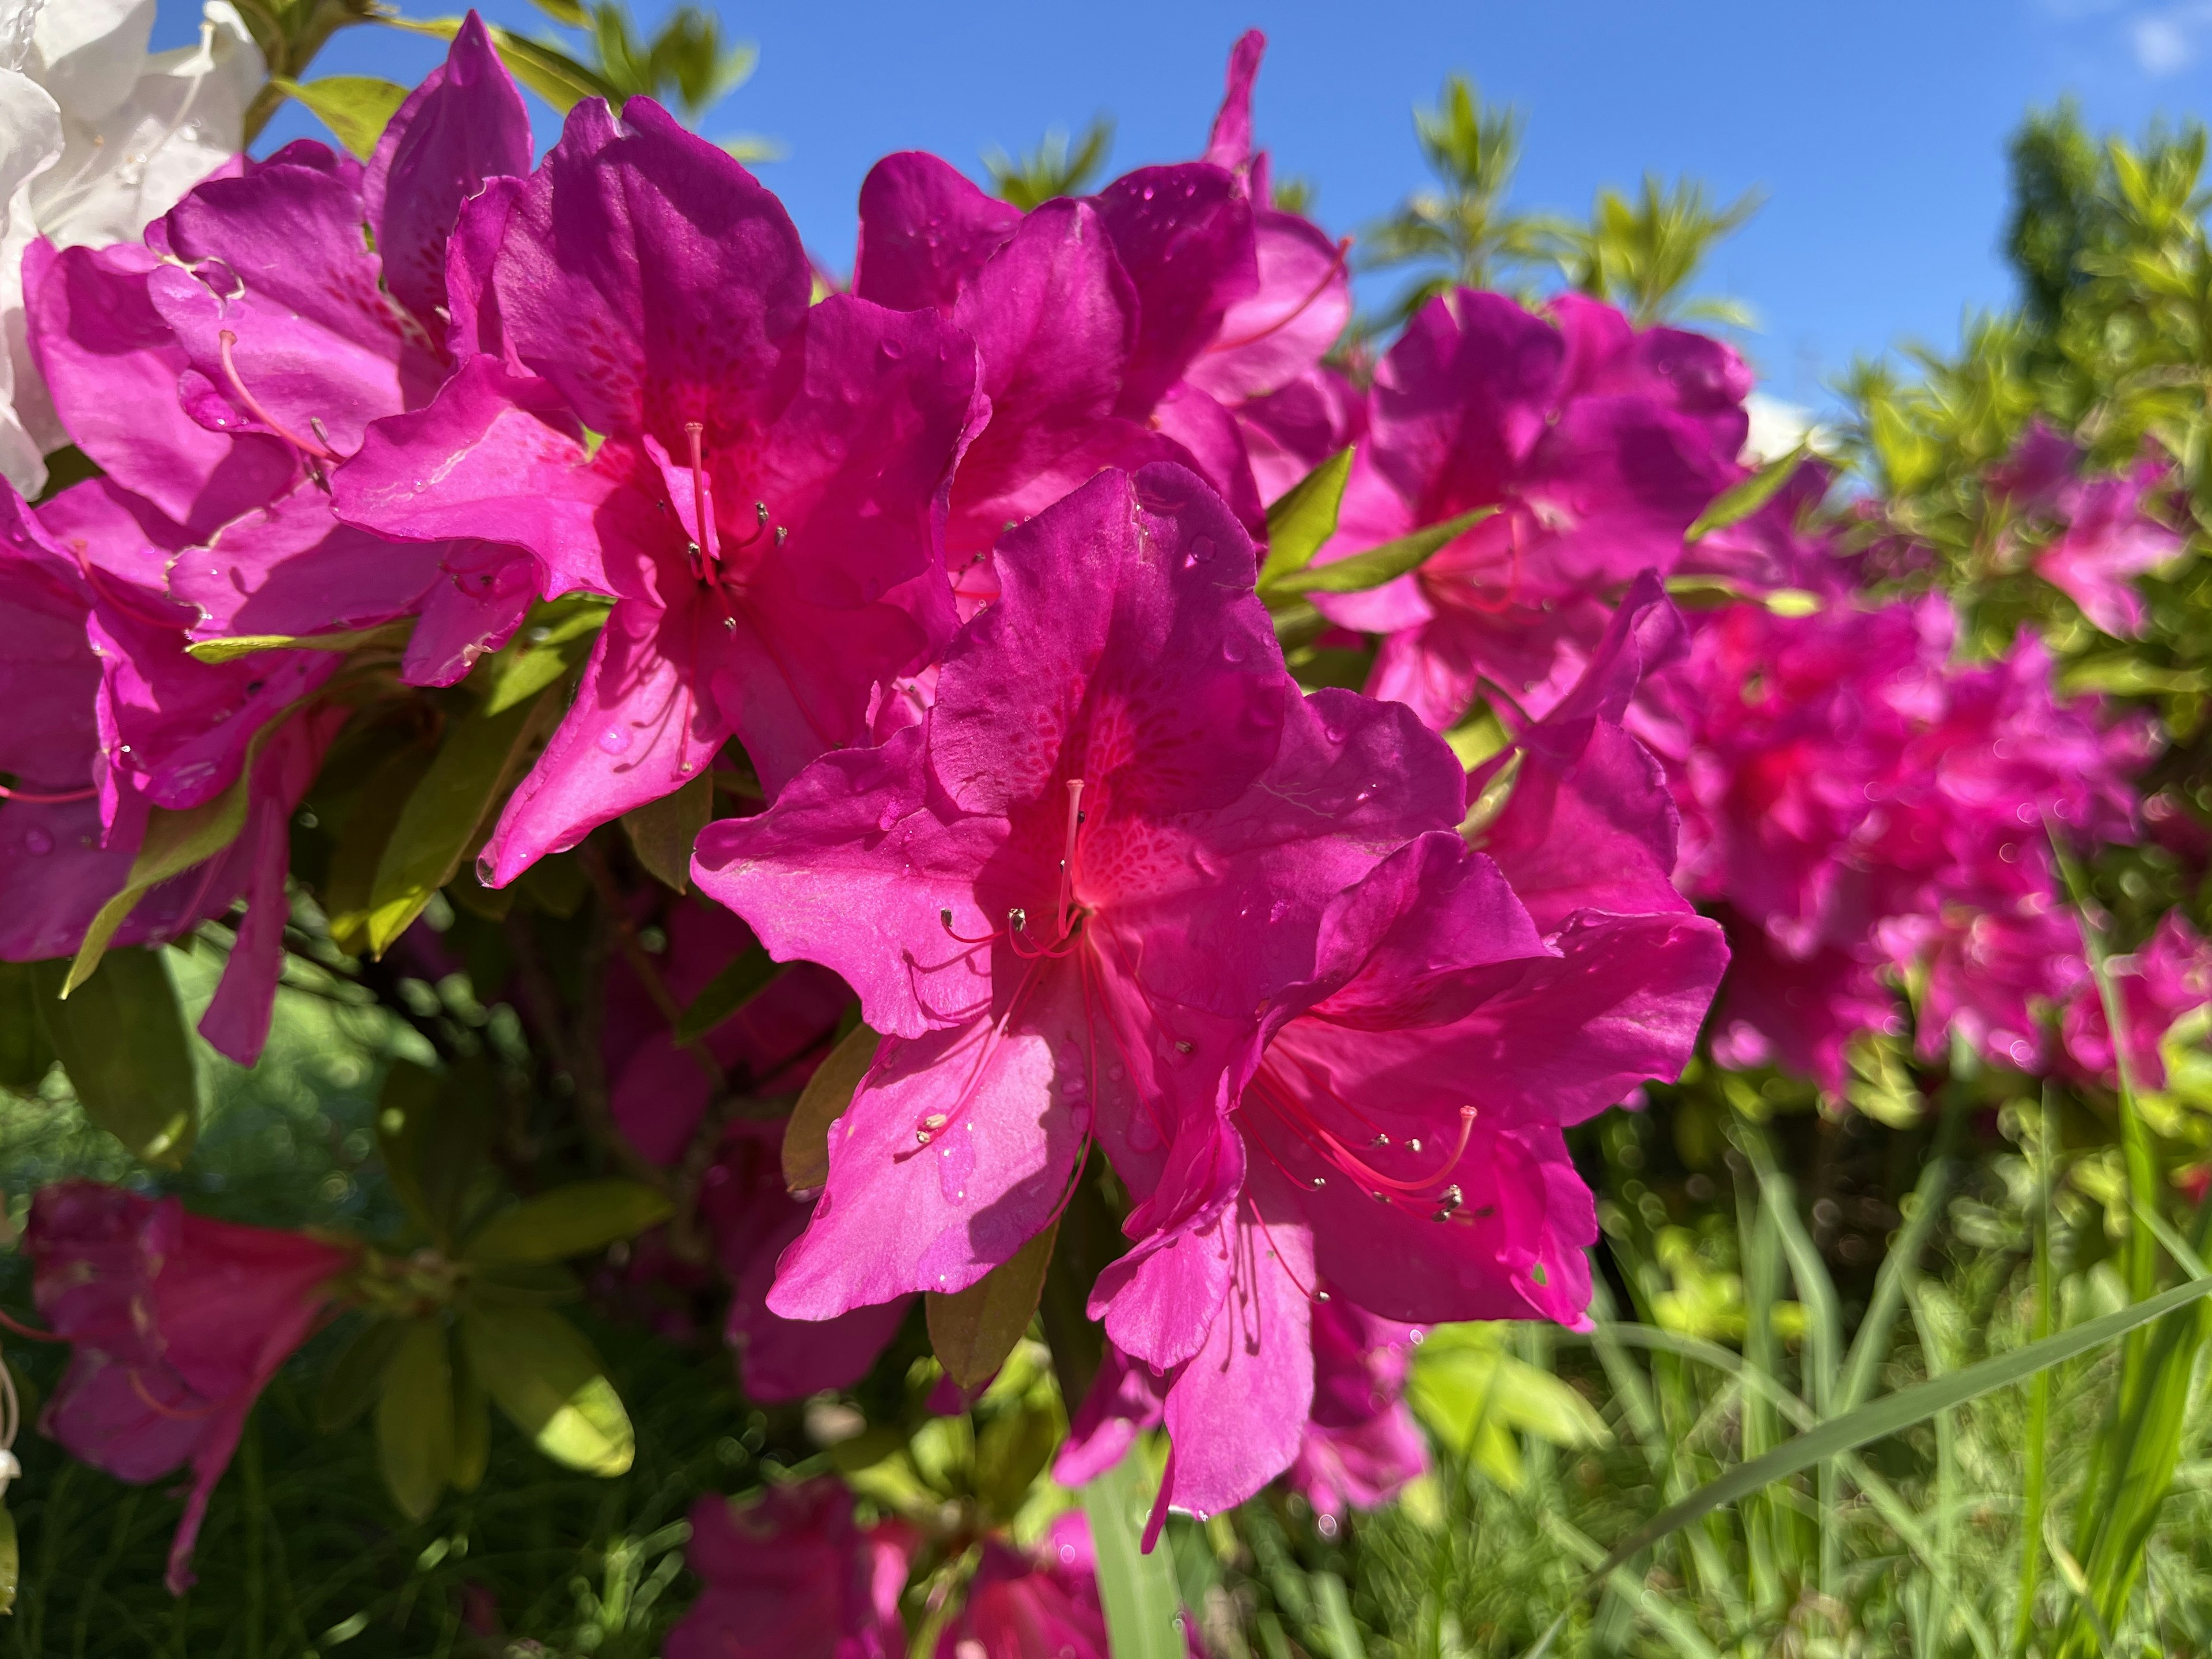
[(227, 342)]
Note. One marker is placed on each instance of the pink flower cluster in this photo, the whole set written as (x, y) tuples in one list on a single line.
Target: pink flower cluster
[(966, 561)]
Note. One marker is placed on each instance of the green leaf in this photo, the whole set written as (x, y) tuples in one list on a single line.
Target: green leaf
[(554, 75), (433, 1131), (11, 1562), (973, 1330), (567, 12), (822, 1103), (173, 843), (439, 825), (1879, 1418), (662, 831), (1739, 501), (415, 1419), (746, 976), (1010, 1452), (356, 1377), (362, 834), (572, 1220), (27, 1054), (245, 645), (546, 1378), (1138, 1590), (472, 1426), (1377, 565), (1300, 523), (121, 1039), (554, 638), (1336, 1617), (356, 108)]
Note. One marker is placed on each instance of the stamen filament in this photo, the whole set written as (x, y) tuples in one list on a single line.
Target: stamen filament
[(1067, 856), (702, 496), (34, 797), (1336, 266), (226, 342)]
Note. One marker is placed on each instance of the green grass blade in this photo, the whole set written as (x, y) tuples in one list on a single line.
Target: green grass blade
[(1886, 1416), (1871, 1341), (1336, 1617), (2038, 1449), (1138, 1590)]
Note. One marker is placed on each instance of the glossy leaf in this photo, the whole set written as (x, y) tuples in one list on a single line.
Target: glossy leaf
[(662, 831), (366, 831), (554, 75), (121, 1039), (747, 975), (973, 1330), (1300, 523), (173, 843), (578, 1218), (822, 1103), (356, 108), (472, 1426), (415, 1419), (1377, 565), (230, 649), (441, 822), (556, 638), (546, 1378)]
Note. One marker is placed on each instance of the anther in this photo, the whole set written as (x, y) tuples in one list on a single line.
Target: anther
[(1447, 1200), (1318, 1182), (1380, 1140), (1321, 1295), (1414, 1144), (1018, 919), (1182, 1047), (760, 512), (782, 534)]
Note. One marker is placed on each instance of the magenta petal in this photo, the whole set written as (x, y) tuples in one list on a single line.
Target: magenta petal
[(508, 463), (473, 327), (483, 592), (648, 275), (954, 1153), (1230, 144), (637, 730), (277, 260), (463, 124), (1236, 1413), (291, 569), (1184, 234), (1124, 1399), (1281, 332), (110, 363), (925, 231), (850, 838), (1207, 433)]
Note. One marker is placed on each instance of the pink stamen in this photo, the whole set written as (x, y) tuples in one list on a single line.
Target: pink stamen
[(17, 1326), (306, 446), (1312, 1294), (1269, 1090), (1067, 855), (702, 497), (33, 797), (139, 1389), (1336, 269)]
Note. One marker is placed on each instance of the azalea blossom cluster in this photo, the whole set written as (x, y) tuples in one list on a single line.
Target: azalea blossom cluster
[(943, 618)]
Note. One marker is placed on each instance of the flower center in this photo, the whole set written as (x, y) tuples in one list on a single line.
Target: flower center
[(708, 563)]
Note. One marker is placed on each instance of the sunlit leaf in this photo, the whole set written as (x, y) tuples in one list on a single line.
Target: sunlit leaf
[(973, 1330), (1377, 565), (545, 1377), (1301, 522), (356, 108)]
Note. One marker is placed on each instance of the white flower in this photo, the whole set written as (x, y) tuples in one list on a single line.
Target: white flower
[(98, 137)]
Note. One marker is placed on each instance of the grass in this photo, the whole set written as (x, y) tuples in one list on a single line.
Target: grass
[(1758, 1281)]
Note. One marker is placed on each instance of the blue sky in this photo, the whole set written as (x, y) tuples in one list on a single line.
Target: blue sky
[(1876, 135)]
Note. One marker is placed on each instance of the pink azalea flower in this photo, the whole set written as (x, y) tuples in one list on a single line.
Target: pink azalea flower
[(1068, 896), (791, 1575), (760, 483), (1598, 445), (1125, 327), (2169, 976), (1871, 808), (754, 1220), (1021, 1604), (1361, 1444), (225, 368), (118, 718), (178, 1322), (2106, 533), (1398, 1145)]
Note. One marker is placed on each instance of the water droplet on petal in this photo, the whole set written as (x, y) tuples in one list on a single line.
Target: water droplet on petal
[(38, 842), (614, 741)]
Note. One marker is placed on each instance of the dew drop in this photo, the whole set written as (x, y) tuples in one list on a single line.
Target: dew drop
[(614, 741), (38, 842)]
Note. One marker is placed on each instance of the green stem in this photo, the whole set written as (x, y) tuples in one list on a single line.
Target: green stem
[(2039, 1393)]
